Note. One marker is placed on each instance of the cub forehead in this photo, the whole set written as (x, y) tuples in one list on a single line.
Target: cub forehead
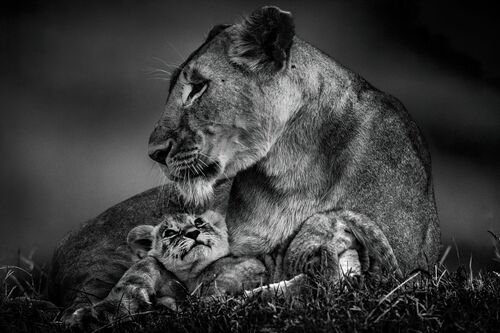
[(213, 217), (178, 220), (182, 220)]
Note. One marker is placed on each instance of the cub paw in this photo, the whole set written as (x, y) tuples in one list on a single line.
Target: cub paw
[(84, 318), (96, 316)]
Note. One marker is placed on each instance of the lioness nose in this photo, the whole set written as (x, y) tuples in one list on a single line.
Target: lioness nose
[(159, 152), (193, 234)]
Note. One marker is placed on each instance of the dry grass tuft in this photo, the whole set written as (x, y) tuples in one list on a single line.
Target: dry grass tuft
[(430, 301)]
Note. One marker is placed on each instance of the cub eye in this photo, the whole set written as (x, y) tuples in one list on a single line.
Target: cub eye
[(169, 233), (199, 222)]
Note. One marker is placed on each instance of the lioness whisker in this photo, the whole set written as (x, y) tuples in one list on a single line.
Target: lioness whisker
[(199, 169), (161, 182), (151, 70), (176, 50), (202, 162), (158, 78), (216, 163), (165, 63)]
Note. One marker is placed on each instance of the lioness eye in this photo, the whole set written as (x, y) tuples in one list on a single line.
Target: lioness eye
[(197, 88), (199, 222), (169, 233), (193, 91)]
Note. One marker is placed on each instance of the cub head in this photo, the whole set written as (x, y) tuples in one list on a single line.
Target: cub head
[(182, 241), (227, 103)]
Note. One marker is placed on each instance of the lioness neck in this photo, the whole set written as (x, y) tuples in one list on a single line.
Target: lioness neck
[(314, 155), (323, 132)]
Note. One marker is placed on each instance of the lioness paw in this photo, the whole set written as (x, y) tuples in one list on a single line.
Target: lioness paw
[(314, 260)]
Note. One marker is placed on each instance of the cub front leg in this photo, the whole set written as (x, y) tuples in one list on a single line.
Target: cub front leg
[(145, 284), (231, 276)]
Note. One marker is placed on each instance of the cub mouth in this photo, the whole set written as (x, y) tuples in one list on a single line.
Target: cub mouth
[(196, 244)]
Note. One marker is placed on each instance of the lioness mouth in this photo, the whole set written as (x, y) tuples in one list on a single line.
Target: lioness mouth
[(195, 170)]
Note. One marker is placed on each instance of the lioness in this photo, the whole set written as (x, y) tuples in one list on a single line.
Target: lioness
[(293, 131)]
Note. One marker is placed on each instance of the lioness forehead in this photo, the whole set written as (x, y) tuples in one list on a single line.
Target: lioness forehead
[(196, 53)]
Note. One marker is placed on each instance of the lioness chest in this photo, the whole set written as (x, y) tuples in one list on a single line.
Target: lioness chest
[(259, 220)]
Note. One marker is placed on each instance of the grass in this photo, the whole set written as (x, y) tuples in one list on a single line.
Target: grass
[(438, 300)]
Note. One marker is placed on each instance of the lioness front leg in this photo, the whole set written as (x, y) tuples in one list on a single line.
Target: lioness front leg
[(315, 248), (145, 284), (337, 243)]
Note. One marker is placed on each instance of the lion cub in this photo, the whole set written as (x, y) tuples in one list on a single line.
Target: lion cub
[(184, 244), (170, 257)]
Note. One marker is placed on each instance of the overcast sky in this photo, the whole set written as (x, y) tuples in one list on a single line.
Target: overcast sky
[(77, 106)]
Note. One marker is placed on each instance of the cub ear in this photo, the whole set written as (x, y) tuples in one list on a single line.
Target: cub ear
[(140, 240), (263, 40)]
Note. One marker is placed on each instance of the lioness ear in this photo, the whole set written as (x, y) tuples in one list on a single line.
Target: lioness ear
[(217, 29), (140, 240), (263, 40)]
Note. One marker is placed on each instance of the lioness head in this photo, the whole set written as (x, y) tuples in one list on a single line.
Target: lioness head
[(182, 242), (227, 103)]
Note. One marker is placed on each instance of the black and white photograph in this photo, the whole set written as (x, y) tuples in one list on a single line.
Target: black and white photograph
[(249, 166)]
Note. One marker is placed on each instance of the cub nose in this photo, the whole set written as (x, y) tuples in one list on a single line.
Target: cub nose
[(193, 234), (159, 152)]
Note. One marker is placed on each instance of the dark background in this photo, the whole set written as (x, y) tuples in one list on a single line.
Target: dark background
[(77, 106)]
